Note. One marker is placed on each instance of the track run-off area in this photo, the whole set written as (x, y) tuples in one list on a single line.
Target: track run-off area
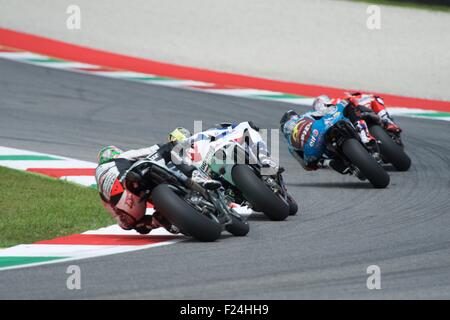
[(343, 225)]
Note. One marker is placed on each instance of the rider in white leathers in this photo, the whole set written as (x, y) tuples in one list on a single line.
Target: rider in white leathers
[(244, 133)]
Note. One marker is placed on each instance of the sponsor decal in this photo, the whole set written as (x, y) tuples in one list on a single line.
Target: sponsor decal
[(154, 157), (129, 201), (312, 142), (305, 134), (116, 188), (301, 133), (315, 132)]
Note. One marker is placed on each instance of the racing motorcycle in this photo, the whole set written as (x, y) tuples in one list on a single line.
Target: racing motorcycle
[(343, 142), (243, 174), (186, 206), (390, 143)]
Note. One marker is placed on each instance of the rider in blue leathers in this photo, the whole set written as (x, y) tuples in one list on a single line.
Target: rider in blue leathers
[(305, 134)]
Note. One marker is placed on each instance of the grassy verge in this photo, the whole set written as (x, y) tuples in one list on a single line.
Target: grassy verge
[(35, 207), (408, 4)]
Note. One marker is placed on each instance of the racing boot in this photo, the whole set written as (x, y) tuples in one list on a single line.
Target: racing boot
[(205, 181), (269, 166), (336, 165), (388, 123)]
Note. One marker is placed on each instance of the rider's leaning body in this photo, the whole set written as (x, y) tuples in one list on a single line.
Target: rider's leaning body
[(123, 204), (121, 185), (374, 103), (242, 133), (305, 133)]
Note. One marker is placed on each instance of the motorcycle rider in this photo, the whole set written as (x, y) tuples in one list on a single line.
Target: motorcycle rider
[(254, 141), (374, 102), (299, 134), (121, 189), (247, 135)]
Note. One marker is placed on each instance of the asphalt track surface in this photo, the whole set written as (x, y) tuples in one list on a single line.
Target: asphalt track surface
[(343, 227)]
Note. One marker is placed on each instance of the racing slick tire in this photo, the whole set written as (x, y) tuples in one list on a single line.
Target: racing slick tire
[(259, 194), (391, 151), (293, 206), (368, 166), (183, 215)]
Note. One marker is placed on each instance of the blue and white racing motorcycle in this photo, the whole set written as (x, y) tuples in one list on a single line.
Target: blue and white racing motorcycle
[(339, 139)]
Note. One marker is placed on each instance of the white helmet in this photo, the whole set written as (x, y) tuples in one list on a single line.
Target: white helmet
[(321, 104)]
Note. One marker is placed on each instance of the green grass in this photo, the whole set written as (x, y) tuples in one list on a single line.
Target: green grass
[(408, 4), (34, 207)]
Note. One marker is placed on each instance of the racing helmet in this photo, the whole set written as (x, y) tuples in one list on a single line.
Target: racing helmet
[(179, 134), (286, 117), (321, 104), (108, 153)]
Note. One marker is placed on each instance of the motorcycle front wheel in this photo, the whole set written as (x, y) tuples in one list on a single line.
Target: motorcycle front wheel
[(368, 166)]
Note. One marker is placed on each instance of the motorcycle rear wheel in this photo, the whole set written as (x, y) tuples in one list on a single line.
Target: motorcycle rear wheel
[(390, 150), (184, 216), (258, 193), (368, 166)]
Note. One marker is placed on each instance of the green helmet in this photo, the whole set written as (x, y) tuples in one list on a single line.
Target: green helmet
[(179, 134), (107, 154)]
